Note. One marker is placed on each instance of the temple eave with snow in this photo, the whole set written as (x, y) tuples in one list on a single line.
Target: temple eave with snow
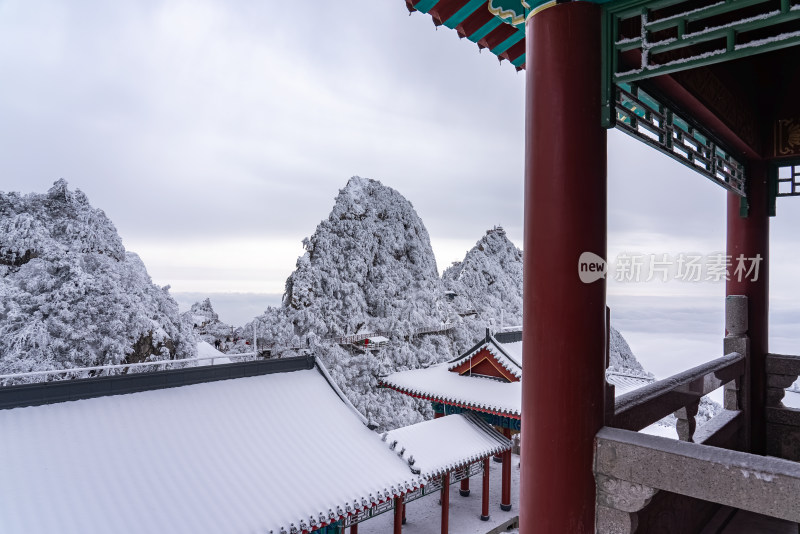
[(237, 447)]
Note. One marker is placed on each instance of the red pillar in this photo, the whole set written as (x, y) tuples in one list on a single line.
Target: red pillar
[(749, 237), (445, 503), (437, 415), (464, 490), (505, 500), (564, 318), (399, 508), (354, 529), (485, 496)]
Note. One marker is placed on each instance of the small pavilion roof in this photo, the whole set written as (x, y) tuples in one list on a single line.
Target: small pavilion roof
[(247, 454), (440, 383), (447, 443), (508, 355)]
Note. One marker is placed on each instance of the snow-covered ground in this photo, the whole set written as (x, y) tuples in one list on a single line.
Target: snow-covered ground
[(424, 515), (205, 350)]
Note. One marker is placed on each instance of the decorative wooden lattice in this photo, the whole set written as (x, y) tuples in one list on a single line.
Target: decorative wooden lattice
[(644, 117), (647, 38), (789, 181), (368, 513)]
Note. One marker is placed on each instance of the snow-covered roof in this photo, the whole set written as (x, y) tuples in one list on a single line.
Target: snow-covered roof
[(514, 350), (508, 355), (446, 443), (438, 384), (243, 455)]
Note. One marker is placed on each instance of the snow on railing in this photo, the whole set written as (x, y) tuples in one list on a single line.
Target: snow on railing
[(630, 375), (444, 327), (355, 338), (106, 370)]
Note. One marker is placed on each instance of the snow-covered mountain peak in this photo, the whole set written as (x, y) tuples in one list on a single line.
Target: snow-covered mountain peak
[(368, 265), (71, 295)]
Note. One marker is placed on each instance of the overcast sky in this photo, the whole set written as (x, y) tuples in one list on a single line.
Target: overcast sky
[(216, 134)]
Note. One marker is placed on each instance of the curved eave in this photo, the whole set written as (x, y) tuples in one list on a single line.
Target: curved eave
[(307, 529), (453, 402), (476, 20)]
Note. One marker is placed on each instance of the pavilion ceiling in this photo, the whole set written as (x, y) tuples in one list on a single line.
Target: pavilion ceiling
[(730, 69)]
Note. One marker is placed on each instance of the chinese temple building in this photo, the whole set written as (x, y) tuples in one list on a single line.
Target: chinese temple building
[(485, 382), (711, 84), (263, 446)]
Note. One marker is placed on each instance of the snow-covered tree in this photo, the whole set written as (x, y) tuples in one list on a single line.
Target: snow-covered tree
[(368, 268), (71, 296), (207, 325), (486, 286)]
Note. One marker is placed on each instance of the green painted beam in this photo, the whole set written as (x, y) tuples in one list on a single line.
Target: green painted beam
[(708, 11), (702, 37), (485, 29), (508, 43), (461, 15), (708, 60), (425, 5), (520, 61)]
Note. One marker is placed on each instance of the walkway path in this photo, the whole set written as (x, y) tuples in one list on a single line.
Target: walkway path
[(424, 516)]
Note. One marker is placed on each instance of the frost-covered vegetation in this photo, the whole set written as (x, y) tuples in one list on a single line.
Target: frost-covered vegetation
[(71, 296), (369, 267), (207, 325), (486, 286)]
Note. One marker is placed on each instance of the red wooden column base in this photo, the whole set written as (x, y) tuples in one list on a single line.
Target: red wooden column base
[(399, 508), (445, 503), (485, 497), (464, 491)]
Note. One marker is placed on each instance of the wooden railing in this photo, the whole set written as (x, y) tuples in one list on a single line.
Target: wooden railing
[(679, 394), (355, 338), (650, 481)]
